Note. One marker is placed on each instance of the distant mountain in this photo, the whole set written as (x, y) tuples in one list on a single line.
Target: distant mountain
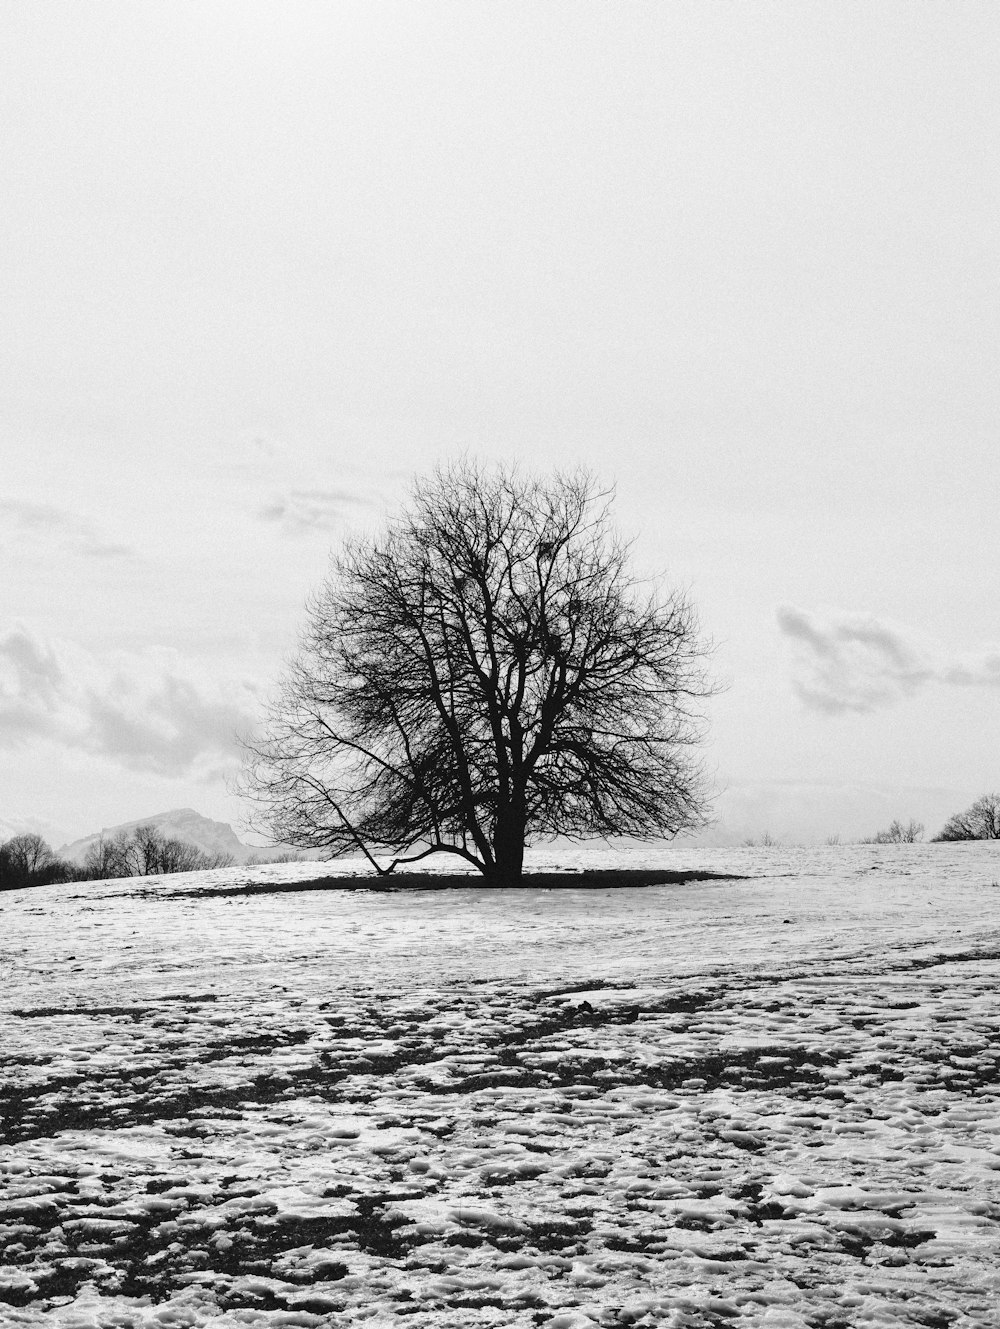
[(212, 837)]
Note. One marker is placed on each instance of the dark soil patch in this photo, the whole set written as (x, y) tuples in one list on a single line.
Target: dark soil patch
[(45, 1012), (956, 957), (602, 879), (153, 1252)]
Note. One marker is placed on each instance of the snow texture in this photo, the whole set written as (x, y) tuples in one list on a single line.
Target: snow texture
[(762, 1102)]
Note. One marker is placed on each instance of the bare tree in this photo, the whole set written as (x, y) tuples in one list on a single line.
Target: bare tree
[(128, 857), (145, 852), (897, 833), (147, 842), (116, 856), (102, 860), (28, 854), (181, 856), (486, 671), (979, 822), (27, 860), (178, 856)]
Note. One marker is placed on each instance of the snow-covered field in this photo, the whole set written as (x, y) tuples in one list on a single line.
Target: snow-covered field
[(768, 1102)]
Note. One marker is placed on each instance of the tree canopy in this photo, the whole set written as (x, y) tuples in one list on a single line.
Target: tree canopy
[(485, 671), (981, 821), (27, 860)]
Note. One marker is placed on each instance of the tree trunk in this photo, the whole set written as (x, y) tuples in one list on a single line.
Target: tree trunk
[(508, 852)]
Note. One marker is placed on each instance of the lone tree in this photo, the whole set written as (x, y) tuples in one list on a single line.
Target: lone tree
[(980, 822), (486, 671)]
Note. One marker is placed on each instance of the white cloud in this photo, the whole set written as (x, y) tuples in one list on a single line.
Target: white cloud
[(147, 712), (853, 662), (16, 823)]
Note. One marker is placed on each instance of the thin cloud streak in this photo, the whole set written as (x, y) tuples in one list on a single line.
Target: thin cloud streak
[(855, 663), (145, 712), (35, 519)]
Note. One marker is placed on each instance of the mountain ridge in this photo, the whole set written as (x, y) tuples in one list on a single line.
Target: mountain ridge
[(211, 837)]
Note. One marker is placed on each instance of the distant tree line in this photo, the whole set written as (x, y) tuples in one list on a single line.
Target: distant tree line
[(26, 860), (981, 821)]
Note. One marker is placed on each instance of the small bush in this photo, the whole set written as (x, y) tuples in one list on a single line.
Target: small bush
[(766, 841), (286, 856), (897, 833)]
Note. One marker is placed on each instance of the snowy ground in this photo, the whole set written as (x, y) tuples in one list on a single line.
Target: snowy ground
[(760, 1102)]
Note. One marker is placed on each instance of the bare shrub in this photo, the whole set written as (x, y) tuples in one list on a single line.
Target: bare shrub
[(897, 833)]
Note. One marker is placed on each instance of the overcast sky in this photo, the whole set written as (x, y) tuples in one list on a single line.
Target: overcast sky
[(261, 263)]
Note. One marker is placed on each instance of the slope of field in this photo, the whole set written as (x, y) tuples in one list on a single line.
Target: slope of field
[(771, 1101)]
